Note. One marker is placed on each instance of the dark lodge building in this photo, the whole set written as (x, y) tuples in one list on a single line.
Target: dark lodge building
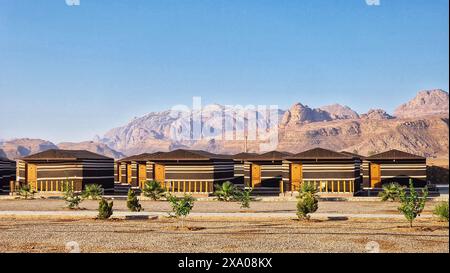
[(239, 163), (328, 171), (394, 166), (264, 170), (133, 170), (51, 170), (7, 173), (185, 170)]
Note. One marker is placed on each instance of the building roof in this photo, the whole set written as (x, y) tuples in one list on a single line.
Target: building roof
[(394, 155), (56, 154), (2, 158), (269, 156), (182, 154), (320, 153), (139, 157), (243, 156), (353, 154)]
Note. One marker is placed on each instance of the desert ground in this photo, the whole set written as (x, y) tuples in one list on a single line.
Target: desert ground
[(221, 234), (360, 207)]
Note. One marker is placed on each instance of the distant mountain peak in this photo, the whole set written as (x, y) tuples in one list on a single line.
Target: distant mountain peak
[(378, 114), (299, 113), (425, 103), (338, 111)]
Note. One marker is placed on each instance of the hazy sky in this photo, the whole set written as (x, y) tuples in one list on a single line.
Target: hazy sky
[(68, 73)]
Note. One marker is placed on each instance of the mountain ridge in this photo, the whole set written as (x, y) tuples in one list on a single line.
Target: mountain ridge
[(418, 126)]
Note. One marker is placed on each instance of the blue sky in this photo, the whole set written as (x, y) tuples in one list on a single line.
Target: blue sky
[(68, 73)]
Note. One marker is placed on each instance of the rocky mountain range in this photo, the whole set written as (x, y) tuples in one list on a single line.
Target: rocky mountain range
[(420, 126), (17, 148)]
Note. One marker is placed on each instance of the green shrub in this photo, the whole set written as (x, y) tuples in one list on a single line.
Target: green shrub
[(226, 192), (181, 206), (133, 201), (72, 199), (153, 190), (307, 187), (26, 192), (105, 209), (92, 191), (307, 203), (412, 204), (391, 192), (441, 211), (245, 198)]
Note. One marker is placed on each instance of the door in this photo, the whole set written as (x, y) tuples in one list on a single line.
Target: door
[(296, 176), (120, 173), (160, 173), (129, 173), (375, 175), (31, 174), (256, 175), (142, 170)]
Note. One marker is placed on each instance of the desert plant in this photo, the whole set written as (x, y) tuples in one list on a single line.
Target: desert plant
[(181, 206), (391, 192), (441, 211), (133, 201), (153, 190), (226, 192), (245, 198), (92, 191), (72, 199), (412, 204), (307, 187), (26, 192), (308, 201), (105, 209)]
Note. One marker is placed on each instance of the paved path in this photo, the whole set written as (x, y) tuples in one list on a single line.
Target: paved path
[(146, 215)]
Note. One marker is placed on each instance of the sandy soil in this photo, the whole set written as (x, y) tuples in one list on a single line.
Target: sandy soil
[(222, 235), (205, 206)]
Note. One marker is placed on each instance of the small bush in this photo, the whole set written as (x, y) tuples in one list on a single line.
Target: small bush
[(133, 201), (226, 192), (245, 198), (308, 201), (391, 192), (181, 206), (412, 205), (72, 200), (92, 191), (105, 209), (153, 190), (441, 211), (307, 187), (26, 192)]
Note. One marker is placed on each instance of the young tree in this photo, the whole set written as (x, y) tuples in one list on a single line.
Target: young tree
[(153, 190), (26, 192), (105, 209), (133, 201), (92, 191), (226, 192), (308, 201), (72, 200), (245, 198), (412, 204), (391, 192), (181, 206)]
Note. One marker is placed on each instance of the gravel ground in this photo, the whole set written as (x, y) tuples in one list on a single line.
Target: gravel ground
[(213, 206), (222, 235)]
